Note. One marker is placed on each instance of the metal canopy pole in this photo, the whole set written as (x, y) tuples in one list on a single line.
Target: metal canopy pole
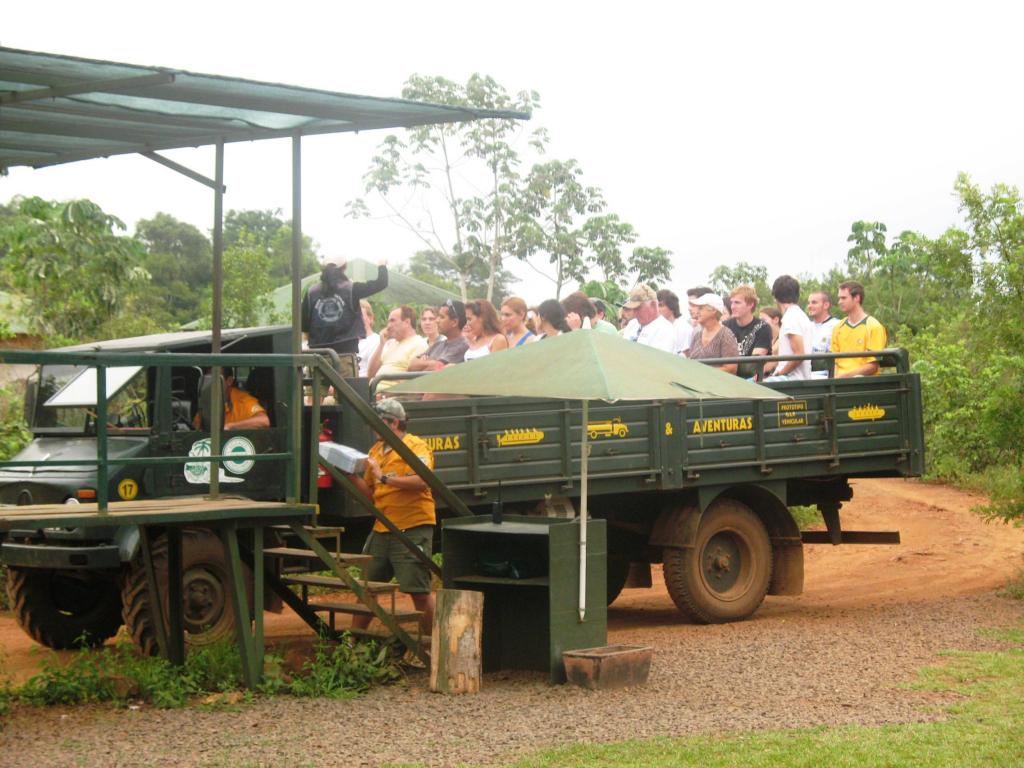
[(295, 437), (216, 393), (585, 455)]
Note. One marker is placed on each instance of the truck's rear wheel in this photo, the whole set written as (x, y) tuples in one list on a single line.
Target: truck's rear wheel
[(725, 575), (65, 608), (206, 592)]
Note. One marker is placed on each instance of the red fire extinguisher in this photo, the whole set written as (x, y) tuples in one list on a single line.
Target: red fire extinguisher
[(323, 479)]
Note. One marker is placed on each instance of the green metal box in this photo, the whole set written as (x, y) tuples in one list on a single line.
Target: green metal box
[(528, 570)]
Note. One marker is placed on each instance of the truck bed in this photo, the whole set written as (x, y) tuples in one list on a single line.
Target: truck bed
[(829, 429)]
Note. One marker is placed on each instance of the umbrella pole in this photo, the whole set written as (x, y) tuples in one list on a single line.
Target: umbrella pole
[(583, 512)]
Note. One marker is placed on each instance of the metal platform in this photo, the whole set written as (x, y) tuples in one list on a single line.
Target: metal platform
[(176, 512), (225, 515)]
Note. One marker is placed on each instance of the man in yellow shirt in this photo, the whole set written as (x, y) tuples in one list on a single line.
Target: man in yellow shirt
[(399, 344), (858, 332), (406, 500)]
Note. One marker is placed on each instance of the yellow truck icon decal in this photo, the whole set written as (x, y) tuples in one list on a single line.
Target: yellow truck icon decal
[(608, 428)]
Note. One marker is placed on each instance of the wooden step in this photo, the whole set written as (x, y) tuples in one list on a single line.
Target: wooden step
[(346, 558), (359, 609), (321, 531), (311, 580)]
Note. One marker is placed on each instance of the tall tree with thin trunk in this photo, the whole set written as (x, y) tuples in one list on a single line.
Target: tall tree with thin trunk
[(452, 186)]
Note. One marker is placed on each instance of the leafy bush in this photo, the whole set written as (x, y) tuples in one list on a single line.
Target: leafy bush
[(342, 670), (120, 674), (14, 433)]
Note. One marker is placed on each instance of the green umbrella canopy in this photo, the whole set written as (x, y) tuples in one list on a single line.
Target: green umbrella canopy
[(587, 366)]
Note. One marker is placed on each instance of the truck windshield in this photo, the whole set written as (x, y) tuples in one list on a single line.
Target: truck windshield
[(126, 407)]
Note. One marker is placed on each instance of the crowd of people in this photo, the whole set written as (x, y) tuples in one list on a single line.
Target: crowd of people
[(712, 327)]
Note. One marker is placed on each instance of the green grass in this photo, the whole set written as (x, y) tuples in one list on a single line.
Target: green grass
[(1015, 588), (806, 516), (985, 729)]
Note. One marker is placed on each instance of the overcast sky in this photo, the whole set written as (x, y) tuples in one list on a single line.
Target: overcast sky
[(724, 132)]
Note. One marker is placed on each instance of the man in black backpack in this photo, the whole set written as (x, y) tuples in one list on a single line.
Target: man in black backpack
[(330, 309)]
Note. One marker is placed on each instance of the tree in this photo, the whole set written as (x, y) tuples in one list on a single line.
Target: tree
[(724, 279), (247, 285), (433, 268), (868, 238), (68, 262), (608, 290), (273, 234), (180, 261), (995, 242), (913, 281), (650, 264), (560, 219), (550, 219), (453, 186)]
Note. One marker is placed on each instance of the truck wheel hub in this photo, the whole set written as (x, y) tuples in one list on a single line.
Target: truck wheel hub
[(722, 562), (204, 599)]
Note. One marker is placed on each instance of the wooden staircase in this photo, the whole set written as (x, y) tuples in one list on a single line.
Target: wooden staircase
[(301, 563)]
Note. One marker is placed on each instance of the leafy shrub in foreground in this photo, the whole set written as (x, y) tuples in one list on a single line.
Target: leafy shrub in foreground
[(342, 670), (119, 675)]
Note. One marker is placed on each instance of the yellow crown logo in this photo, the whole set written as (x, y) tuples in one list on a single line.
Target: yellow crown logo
[(867, 413)]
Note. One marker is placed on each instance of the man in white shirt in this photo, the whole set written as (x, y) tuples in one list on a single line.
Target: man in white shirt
[(796, 334), (819, 305), (651, 329), (668, 305), (399, 344)]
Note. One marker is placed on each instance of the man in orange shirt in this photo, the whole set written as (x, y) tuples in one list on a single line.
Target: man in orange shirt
[(241, 410), (406, 500)]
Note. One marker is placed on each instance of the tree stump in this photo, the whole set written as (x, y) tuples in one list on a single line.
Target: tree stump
[(455, 645)]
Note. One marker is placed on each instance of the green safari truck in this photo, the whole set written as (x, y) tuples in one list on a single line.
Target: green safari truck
[(704, 488)]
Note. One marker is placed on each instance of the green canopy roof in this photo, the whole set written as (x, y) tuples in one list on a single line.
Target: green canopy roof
[(587, 365), (401, 289), (60, 109)]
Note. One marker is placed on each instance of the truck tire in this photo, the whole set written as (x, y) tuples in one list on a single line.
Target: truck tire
[(65, 608), (724, 576), (208, 614)]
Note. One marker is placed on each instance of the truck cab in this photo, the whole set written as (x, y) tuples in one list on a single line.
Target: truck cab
[(151, 411)]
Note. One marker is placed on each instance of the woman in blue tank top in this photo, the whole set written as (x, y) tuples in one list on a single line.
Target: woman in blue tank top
[(513, 322)]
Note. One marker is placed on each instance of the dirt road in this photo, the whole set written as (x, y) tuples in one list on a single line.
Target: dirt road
[(869, 616)]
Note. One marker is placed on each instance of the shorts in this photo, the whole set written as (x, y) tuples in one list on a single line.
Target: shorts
[(392, 559)]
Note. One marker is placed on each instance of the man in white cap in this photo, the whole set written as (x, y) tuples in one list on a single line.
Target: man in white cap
[(651, 328)]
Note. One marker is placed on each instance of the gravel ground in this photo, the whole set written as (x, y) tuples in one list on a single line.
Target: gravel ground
[(781, 669)]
